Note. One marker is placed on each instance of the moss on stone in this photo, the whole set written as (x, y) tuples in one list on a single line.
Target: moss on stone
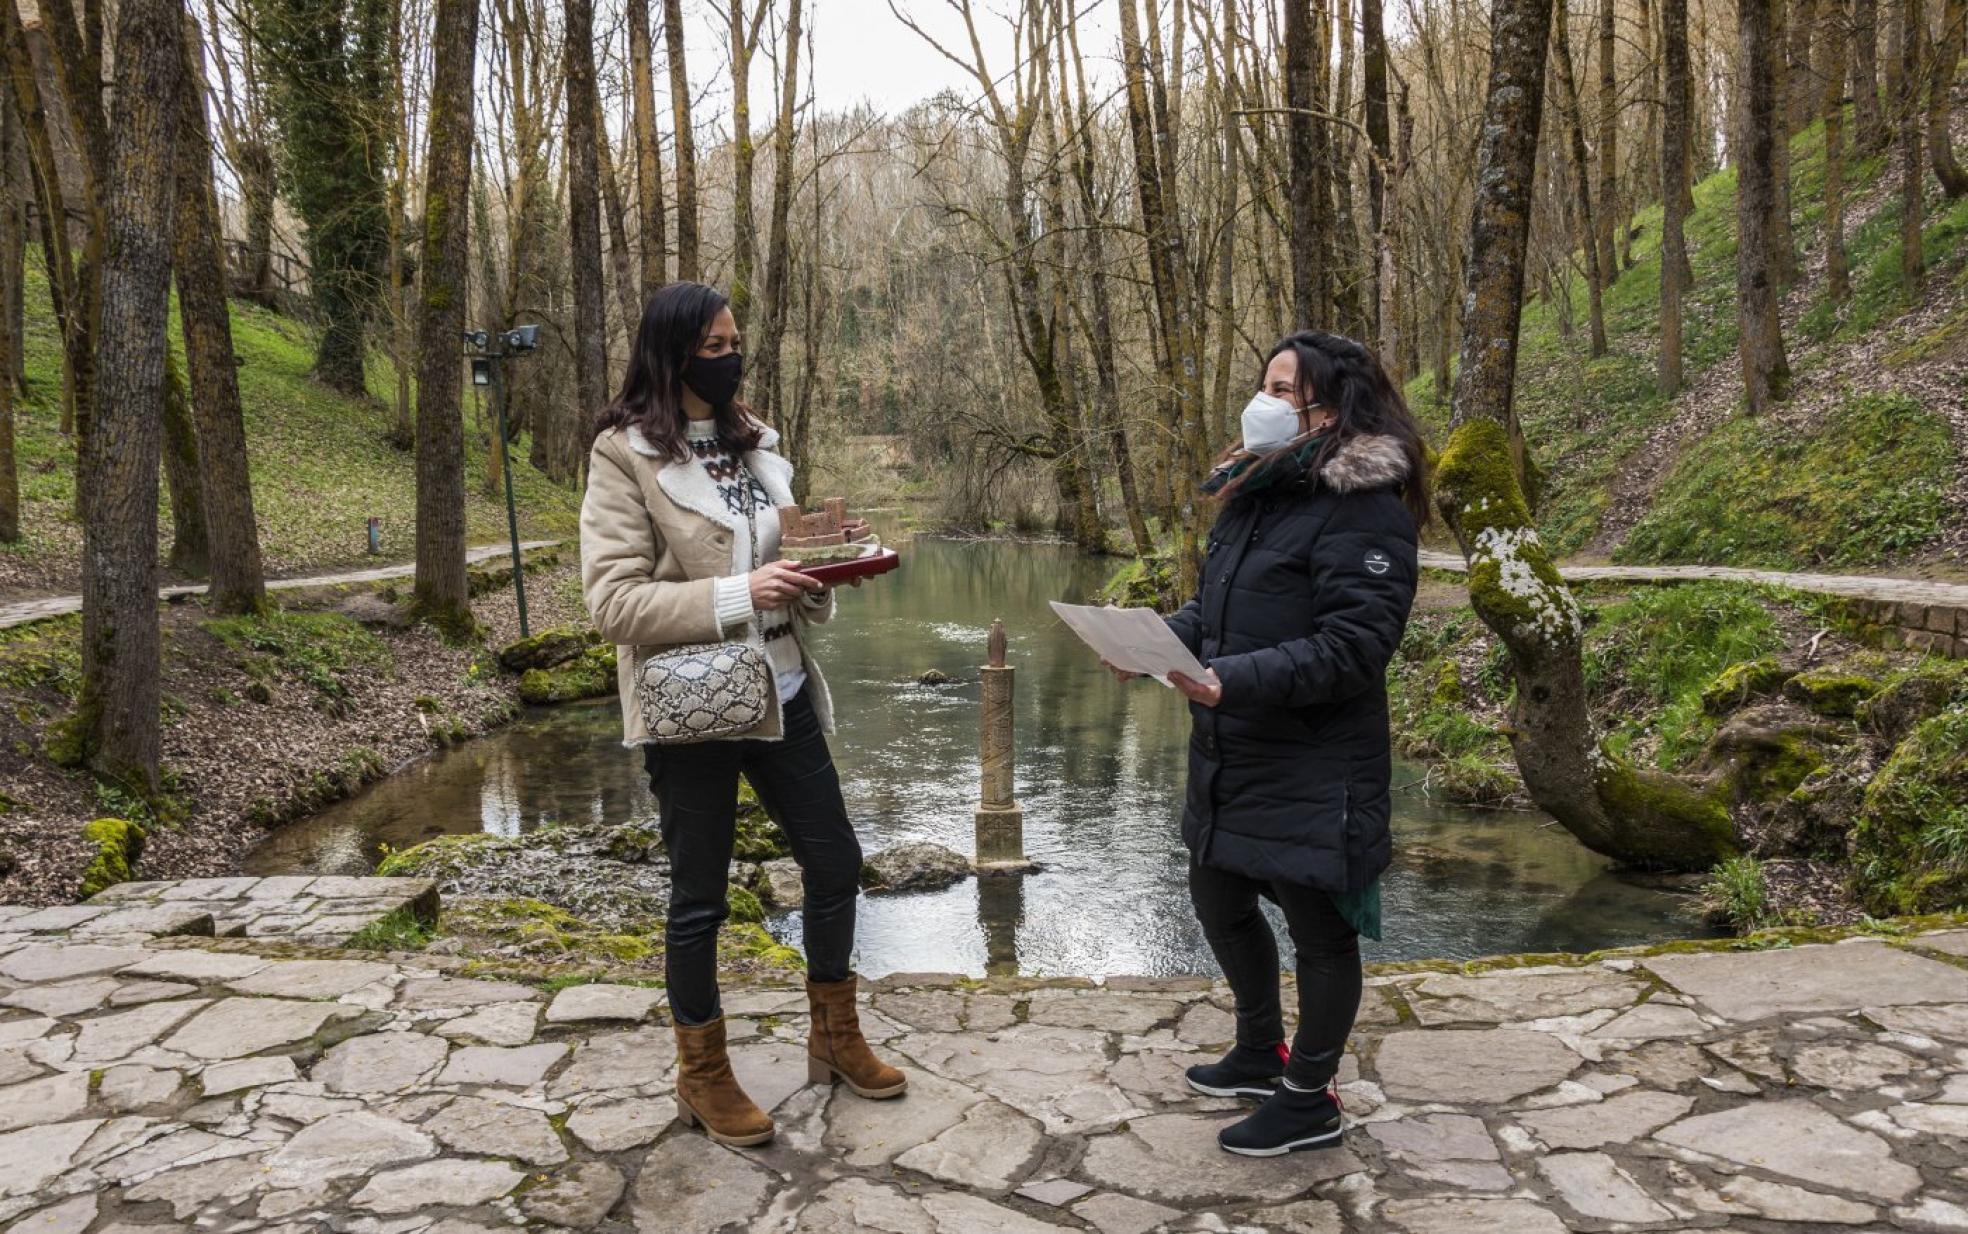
[(1738, 683), (1910, 848), (1447, 690), (1665, 822), (1830, 691), (745, 906), (1513, 584), (1913, 697), (589, 675), (117, 845), (442, 857), (546, 649)]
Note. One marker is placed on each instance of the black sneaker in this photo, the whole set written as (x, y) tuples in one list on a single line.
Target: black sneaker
[(1290, 1120), (1246, 1071)]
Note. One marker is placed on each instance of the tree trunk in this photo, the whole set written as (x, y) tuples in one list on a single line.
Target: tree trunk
[(1783, 240), (1766, 371), (442, 595), (1373, 89), (1100, 321), (1306, 170), (649, 160), (1596, 274), (1831, 44), (14, 176), (1636, 817), (1606, 220), (231, 533), (615, 212), (1868, 117), (189, 553), (744, 156), (1913, 264), (778, 261), (1805, 94), (584, 227), (116, 725), (1940, 90), (686, 144), (1675, 140)]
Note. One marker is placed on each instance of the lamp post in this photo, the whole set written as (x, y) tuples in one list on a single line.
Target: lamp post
[(488, 370)]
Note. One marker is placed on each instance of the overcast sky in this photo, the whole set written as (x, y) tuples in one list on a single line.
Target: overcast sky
[(862, 52)]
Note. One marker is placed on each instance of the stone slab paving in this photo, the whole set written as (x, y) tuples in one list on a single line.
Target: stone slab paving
[(151, 1084), (323, 909), (20, 612)]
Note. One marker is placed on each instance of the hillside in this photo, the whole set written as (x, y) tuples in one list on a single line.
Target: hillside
[(1862, 469), (321, 464)]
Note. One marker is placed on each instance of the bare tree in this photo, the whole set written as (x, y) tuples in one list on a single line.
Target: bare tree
[(232, 537), (1831, 45), (1913, 39), (1591, 243), (1867, 116), (584, 223), (116, 727), (1676, 271), (778, 262), (686, 143), (442, 593), (648, 162), (1945, 59), (1766, 371)]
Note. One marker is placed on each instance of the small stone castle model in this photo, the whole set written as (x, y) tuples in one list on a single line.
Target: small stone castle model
[(827, 527)]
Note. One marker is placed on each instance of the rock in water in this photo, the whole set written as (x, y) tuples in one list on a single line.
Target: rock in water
[(934, 677), (779, 884), (916, 866)]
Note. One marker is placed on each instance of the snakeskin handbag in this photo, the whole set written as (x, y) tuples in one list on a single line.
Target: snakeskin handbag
[(704, 691)]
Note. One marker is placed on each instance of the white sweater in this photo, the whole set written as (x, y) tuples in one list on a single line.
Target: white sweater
[(734, 592)]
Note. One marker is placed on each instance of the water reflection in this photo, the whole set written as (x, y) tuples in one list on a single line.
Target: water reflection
[(1099, 777)]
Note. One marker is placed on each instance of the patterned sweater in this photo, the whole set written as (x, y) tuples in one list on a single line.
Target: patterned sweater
[(734, 593)]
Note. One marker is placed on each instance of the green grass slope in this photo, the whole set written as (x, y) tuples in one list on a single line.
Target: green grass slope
[(1853, 472), (321, 463)]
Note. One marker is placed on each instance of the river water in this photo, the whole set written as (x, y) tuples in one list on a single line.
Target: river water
[(1100, 769)]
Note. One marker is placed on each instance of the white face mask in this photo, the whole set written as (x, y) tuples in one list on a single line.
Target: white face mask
[(1269, 422)]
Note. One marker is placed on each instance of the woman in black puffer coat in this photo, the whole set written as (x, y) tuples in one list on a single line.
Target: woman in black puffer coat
[(1303, 598)]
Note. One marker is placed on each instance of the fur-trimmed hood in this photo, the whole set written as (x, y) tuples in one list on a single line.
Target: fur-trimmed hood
[(1364, 462)]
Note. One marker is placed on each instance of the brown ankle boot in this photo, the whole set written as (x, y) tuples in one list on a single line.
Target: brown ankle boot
[(708, 1093), (835, 1046)]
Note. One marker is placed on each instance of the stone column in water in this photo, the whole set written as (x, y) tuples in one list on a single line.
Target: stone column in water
[(1000, 823)]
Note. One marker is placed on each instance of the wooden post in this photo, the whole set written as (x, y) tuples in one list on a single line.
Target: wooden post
[(1000, 822)]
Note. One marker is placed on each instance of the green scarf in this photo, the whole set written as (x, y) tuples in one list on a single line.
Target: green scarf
[(1269, 468)]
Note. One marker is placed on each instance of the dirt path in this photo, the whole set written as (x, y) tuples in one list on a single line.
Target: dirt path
[(23, 611)]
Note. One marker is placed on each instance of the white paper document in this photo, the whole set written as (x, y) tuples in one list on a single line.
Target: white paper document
[(1135, 639)]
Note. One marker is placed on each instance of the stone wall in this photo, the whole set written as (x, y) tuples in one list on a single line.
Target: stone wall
[(1937, 629)]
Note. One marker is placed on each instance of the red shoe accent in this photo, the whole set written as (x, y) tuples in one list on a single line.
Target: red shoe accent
[(1284, 1051), (1332, 1090)]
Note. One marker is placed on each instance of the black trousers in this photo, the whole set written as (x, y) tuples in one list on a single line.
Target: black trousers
[(1328, 966), (696, 789)]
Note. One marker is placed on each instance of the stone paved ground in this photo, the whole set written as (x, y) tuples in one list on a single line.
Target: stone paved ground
[(181, 1083), (294, 908)]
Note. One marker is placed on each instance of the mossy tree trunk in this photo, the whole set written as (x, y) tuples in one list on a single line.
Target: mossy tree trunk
[(768, 389), (117, 716), (1607, 219), (14, 176), (1568, 101), (1632, 816), (442, 593), (1832, 46), (1913, 38), (1868, 119), (231, 532), (1765, 369)]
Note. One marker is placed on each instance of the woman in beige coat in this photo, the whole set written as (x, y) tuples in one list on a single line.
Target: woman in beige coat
[(671, 541)]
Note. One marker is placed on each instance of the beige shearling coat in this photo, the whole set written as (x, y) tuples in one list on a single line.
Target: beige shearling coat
[(655, 537)]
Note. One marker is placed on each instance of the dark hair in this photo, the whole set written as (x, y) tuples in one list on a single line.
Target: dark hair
[(1345, 377), (674, 323)]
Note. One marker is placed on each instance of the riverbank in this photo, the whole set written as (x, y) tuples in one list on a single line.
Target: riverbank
[(173, 1082), (266, 719)]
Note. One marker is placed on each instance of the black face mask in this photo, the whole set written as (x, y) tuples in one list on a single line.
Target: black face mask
[(715, 380)]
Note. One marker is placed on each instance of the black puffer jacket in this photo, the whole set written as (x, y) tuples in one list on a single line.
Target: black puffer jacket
[(1303, 599)]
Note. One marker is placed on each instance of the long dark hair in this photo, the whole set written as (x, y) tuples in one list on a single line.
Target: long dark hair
[(1343, 376), (674, 323)]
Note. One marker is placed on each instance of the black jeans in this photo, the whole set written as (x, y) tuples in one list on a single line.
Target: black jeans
[(1328, 966), (696, 789)]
